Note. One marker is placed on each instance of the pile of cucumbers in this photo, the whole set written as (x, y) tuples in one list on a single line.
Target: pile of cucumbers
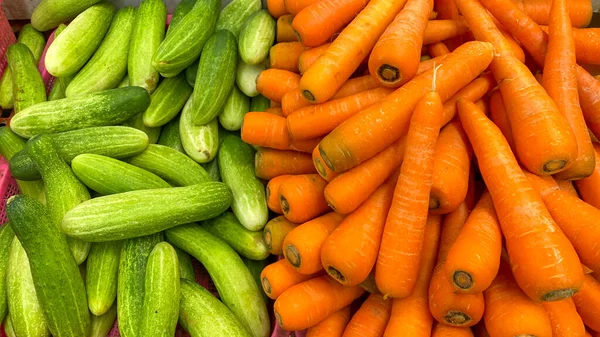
[(130, 166)]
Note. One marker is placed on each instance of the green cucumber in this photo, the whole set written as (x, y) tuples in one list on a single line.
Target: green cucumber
[(233, 16), (169, 135), (77, 43), (50, 13), (28, 86), (234, 282), (58, 283), (212, 168), (229, 229), (130, 288), (257, 35), (124, 82), (33, 39), (6, 238), (148, 33), (236, 163), (191, 72), (215, 78), (171, 165), (137, 122), (236, 106), (246, 75), (102, 268), (186, 268), (256, 267), (200, 142), (185, 40), (27, 317), (167, 101), (101, 325), (108, 65), (259, 103), (59, 88), (182, 9), (106, 175), (161, 292), (114, 217), (6, 90), (108, 107), (8, 327)]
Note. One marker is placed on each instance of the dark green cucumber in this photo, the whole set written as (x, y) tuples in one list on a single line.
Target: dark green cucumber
[(212, 168), (161, 292), (236, 163), (108, 65), (200, 142), (234, 282), (101, 325), (28, 86), (185, 40), (50, 13), (229, 229), (102, 268), (106, 175), (58, 283), (169, 135), (33, 39), (137, 122), (186, 268), (246, 75), (233, 16), (215, 78), (167, 101), (8, 328), (256, 267), (6, 238), (182, 9), (136, 213), (236, 106), (109, 107), (256, 37), (171, 165), (148, 33), (191, 72), (259, 103), (77, 43), (130, 288)]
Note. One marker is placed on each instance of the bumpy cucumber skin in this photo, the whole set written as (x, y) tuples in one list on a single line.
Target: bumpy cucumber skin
[(200, 142), (182, 9), (247, 243), (8, 328), (167, 101), (102, 268), (34, 40), (6, 238), (169, 135), (246, 75), (101, 325), (233, 16), (6, 89), (257, 35), (50, 13), (28, 86), (236, 106)]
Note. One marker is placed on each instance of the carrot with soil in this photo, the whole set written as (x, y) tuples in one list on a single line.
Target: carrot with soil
[(275, 232), (285, 56), (270, 163), (564, 319), (589, 187), (301, 197), (265, 129), (332, 326), (279, 276), (322, 169), (273, 193), (371, 319)]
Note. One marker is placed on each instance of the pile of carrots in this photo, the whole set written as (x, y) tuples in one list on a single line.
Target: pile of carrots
[(435, 165)]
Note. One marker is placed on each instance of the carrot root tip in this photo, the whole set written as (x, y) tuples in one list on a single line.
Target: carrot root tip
[(389, 74), (308, 95), (434, 203), (266, 286), (462, 279), (285, 205), (278, 318), (558, 295), (457, 318), (268, 239), (326, 160), (293, 256), (336, 274), (554, 166), (320, 168)]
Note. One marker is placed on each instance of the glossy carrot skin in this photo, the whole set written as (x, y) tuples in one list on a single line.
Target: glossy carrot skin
[(587, 301), (371, 319), (589, 187), (564, 318), (270, 163), (332, 326)]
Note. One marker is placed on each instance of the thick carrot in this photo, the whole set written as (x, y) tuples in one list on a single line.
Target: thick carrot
[(473, 92), (567, 186), (265, 129), (305, 145), (285, 56), (443, 330), (371, 319), (277, 111), (587, 44), (322, 169), (332, 326), (285, 32), (441, 30), (308, 303), (275, 232), (587, 301), (302, 198), (272, 191), (429, 64), (580, 11), (548, 269), (309, 56), (499, 116), (438, 49), (589, 187), (295, 6), (564, 318), (279, 276), (292, 101), (274, 83), (446, 9), (270, 163), (276, 8)]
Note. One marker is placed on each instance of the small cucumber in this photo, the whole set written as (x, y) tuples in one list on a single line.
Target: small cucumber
[(28, 86), (8, 327), (236, 163), (148, 33), (50, 13), (212, 168), (34, 40), (236, 106), (256, 37), (182, 9), (200, 142), (59, 88), (246, 75), (137, 122), (102, 268), (161, 292), (6, 89), (124, 82), (256, 267), (229, 229), (78, 42), (167, 101), (169, 135), (186, 268), (233, 16), (215, 78), (191, 72), (108, 65), (101, 325), (6, 238), (259, 103)]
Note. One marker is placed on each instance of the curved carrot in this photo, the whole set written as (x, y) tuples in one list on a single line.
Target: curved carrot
[(285, 32), (265, 129), (274, 83), (270, 163), (587, 301), (438, 49), (295, 6), (499, 116), (589, 187), (580, 11), (443, 330), (441, 30), (275, 232), (279, 276), (285, 56), (273, 193), (309, 56), (276, 8), (371, 319), (332, 326), (473, 92), (322, 169), (302, 198), (564, 318)]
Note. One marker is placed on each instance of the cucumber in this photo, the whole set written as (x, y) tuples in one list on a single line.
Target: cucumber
[(6, 238), (212, 168), (246, 75), (63, 190), (114, 217), (6, 90), (200, 142), (215, 78), (167, 101), (102, 268), (233, 16), (182, 9), (236, 106), (234, 282), (161, 293), (257, 35), (58, 283), (130, 288), (169, 135), (171, 165), (148, 33), (108, 65), (109, 107), (101, 325), (28, 86), (256, 267), (50, 13), (186, 268), (185, 40), (191, 72), (124, 82), (229, 229), (137, 122), (236, 163), (34, 40), (27, 317), (8, 328), (78, 42), (259, 103), (59, 88)]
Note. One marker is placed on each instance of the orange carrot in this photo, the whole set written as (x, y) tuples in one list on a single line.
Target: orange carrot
[(589, 187), (567, 186), (429, 64), (272, 191), (443, 330), (292, 101), (548, 269), (275, 232), (371, 319), (499, 116), (274, 104), (265, 129), (285, 32), (302, 198), (309, 56), (589, 97), (306, 304), (580, 11), (586, 44), (440, 30), (305, 145), (276, 8), (438, 49), (285, 56), (473, 92), (513, 44), (277, 111), (564, 318), (446, 9), (295, 6), (587, 301), (270, 163), (279, 276), (322, 169), (332, 326), (480, 330), (274, 83)]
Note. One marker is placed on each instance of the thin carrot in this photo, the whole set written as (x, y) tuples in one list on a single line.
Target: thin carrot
[(302, 198), (295, 6), (548, 269), (272, 191), (564, 318), (473, 92), (567, 186), (589, 97), (322, 169), (279, 276), (285, 32), (589, 187), (265, 129), (332, 326), (277, 111), (499, 116), (441, 30), (371, 319), (306, 304), (274, 83), (438, 49), (275, 232), (305, 145), (587, 301), (276, 8), (587, 44), (443, 330), (309, 56), (285, 56), (512, 43), (270, 163), (446, 9), (580, 11)]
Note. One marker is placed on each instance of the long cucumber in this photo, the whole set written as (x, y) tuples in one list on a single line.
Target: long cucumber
[(256, 37), (229, 229), (167, 101), (182, 9), (50, 13), (186, 268), (28, 86), (169, 135), (233, 16), (6, 238), (137, 122)]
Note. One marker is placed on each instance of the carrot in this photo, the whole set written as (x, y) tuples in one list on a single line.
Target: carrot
[(589, 187), (443, 330), (349, 253), (564, 318), (480, 330), (274, 83), (548, 269), (499, 116), (410, 315), (440, 30), (371, 319), (272, 191), (277, 111), (429, 64), (305, 145), (567, 186), (586, 44), (587, 301), (512, 43), (438, 49), (285, 32), (276, 8), (332, 326), (589, 97), (295, 6), (309, 56), (302, 198), (580, 11), (275, 232), (292, 101), (279, 276), (285, 56), (322, 169), (265, 129), (446, 9), (320, 82), (306, 304), (270, 163)]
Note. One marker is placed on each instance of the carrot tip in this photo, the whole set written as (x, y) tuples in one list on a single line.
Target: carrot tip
[(278, 318), (462, 279), (326, 160), (293, 256), (336, 274), (457, 318), (268, 239), (554, 166), (558, 295), (434, 203), (320, 168), (266, 286), (389, 74), (285, 205), (308, 95)]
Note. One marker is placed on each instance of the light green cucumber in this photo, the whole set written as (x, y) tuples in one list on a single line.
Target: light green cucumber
[(6, 238), (108, 65), (200, 142), (137, 122), (6, 90), (102, 268), (257, 35), (233, 16), (59, 87), (236, 106), (212, 168), (33, 39), (186, 268), (50, 13), (167, 101), (8, 328), (78, 42), (28, 86), (256, 267), (246, 75), (229, 229), (169, 135), (259, 103), (124, 82), (182, 9), (101, 325), (191, 72)]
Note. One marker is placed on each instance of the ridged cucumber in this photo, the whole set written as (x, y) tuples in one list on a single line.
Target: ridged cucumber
[(236, 163), (148, 33), (259, 103), (246, 75), (34, 40), (229, 229), (236, 106), (212, 168), (137, 122), (28, 86), (185, 40), (169, 135), (215, 78), (108, 107), (78, 42), (6, 90), (50, 13), (6, 238), (233, 16), (8, 328), (101, 325), (58, 283), (234, 282), (59, 87), (256, 267), (256, 37), (191, 72), (167, 101), (182, 9), (102, 268), (161, 293), (108, 65), (186, 268), (200, 142)]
